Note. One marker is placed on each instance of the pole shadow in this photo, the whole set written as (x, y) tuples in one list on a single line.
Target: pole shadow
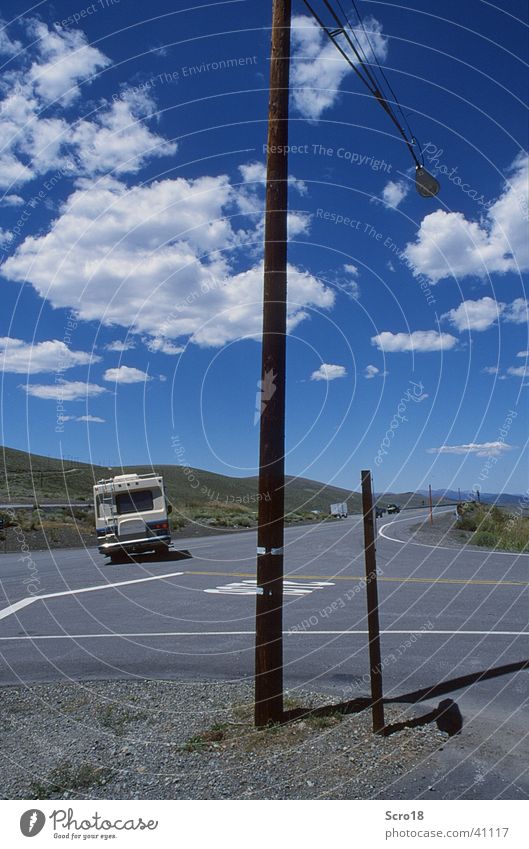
[(457, 683), (447, 714)]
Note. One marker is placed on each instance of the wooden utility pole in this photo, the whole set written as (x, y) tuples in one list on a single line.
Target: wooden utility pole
[(269, 600), (375, 662)]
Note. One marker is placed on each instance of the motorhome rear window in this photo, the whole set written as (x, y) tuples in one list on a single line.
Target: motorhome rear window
[(134, 501)]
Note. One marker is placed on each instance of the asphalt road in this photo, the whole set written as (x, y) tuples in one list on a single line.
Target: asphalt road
[(454, 623)]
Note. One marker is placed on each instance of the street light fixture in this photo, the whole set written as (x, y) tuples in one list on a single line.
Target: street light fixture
[(426, 185)]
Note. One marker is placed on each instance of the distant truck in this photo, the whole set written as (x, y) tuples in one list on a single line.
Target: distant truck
[(339, 510), (132, 515)]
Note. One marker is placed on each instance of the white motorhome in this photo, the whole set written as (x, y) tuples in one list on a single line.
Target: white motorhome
[(339, 510), (131, 513)]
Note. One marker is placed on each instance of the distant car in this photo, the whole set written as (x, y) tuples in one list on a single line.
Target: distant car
[(379, 512), (393, 508)]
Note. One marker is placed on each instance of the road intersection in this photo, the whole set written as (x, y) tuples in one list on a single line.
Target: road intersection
[(454, 621)]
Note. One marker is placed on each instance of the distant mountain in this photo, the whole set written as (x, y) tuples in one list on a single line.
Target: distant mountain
[(33, 477), (466, 495)]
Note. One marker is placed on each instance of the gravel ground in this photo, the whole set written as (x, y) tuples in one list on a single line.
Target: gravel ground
[(81, 536), (168, 740), (68, 536), (442, 532)]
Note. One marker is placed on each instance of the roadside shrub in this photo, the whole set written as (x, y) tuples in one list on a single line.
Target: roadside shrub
[(487, 539), (499, 517), (244, 522), (177, 521), (467, 522)]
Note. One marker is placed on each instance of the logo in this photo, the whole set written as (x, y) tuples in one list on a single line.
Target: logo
[(32, 822), (265, 390)]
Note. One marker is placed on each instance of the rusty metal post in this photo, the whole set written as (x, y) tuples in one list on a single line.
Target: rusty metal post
[(431, 503), (375, 662), (269, 600)]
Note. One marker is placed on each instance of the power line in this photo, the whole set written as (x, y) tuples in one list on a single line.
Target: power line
[(371, 83), (390, 87), (338, 47)]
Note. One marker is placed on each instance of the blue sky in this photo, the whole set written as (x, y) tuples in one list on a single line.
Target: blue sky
[(131, 176)]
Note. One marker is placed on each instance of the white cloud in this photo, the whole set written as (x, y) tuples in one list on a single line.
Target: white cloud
[(19, 357), (346, 281), (298, 223), (328, 372), (152, 259), (393, 193), (448, 244), (483, 449), (5, 237), (253, 172), (371, 372), (7, 46), (65, 59), (475, 315), (119, 346), (518, 371), (12, 200), (63, 390), (390, 266), (522, 354), (490, 370), (517, 312), (163, 346), (483, 313), (418, 341), (126, 374), (37, 130), (250, 197), (116, 140), (93, 419), (318, 69)]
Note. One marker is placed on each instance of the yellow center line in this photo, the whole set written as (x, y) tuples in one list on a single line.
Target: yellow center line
[(461, 581)]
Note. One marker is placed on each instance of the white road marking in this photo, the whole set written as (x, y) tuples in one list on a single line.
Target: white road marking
[(7, 611), (409, 519), (249, 587), (17, 605), (463, 548), (252, 634)]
